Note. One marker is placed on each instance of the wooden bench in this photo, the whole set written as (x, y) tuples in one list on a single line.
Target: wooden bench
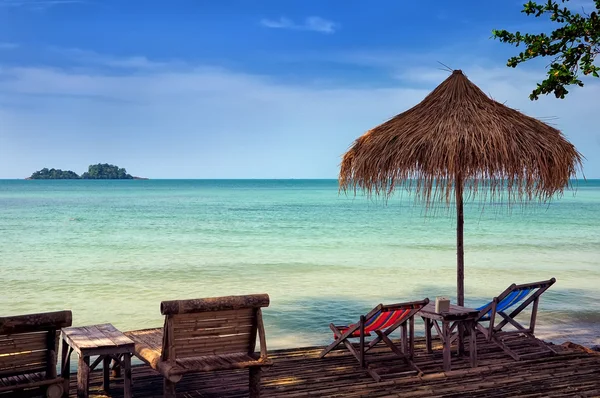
[(206, 335), (28, 347)]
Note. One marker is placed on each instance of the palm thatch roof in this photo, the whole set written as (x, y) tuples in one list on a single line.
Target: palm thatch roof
[(458, 134)]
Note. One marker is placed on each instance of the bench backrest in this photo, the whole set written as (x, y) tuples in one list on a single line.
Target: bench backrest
[(213, 326), (29, 343)]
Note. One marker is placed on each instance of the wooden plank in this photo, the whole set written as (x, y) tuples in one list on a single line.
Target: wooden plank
[(187, 319), (30, 383), (194, 351), (22, 368), (148, 344), (112, 333), (213, 304), (10, 360), (224, 330), (214, 350), (78, 338), (150, 337), (208, 339), (186, 351), (97, 338), (31, 344), (35, 322)]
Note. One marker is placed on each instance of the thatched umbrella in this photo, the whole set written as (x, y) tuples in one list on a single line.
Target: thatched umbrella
[(460, 140)]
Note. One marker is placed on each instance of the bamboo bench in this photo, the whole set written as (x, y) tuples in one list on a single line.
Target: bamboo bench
[(28, 347), (205, 335)]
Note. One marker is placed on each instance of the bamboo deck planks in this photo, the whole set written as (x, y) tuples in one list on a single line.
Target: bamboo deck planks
[(299, 373)]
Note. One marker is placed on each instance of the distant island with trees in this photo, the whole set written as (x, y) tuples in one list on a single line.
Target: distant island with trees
[(95, 172)]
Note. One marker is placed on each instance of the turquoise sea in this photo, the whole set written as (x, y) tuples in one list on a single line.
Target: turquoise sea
[(112, 250)]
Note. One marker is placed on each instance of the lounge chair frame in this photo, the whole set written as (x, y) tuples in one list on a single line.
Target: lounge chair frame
[(489, 313), (342, 334)]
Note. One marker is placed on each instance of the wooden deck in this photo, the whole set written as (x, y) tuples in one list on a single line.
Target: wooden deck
[(300, 373)]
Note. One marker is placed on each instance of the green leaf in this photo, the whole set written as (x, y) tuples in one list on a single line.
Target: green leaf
[(575, 45)]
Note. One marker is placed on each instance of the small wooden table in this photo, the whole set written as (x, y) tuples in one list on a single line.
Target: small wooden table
[(104, 341), (455, 323)]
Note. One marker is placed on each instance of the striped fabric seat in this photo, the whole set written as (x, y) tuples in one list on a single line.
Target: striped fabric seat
[(507, 302), (381, 320), (500, 313)]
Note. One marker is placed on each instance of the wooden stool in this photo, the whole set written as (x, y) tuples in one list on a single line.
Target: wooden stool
[(103, 341)]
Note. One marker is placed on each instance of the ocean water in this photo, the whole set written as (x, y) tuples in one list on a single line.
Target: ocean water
[(112, 250)]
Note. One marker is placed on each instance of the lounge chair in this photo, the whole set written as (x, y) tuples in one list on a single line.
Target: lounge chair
[(515, 298), (28, 352), (206, 335), (381, 320)]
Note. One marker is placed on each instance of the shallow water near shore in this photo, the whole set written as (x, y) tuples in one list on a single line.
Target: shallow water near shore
[(112, 250)]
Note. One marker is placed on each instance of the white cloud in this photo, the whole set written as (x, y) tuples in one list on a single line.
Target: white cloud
[(93, 58), (200, 121), (8, 46), (195, 122), (315, 24)]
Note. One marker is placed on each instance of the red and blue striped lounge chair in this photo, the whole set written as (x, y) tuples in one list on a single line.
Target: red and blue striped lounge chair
[(515, 299), (381, 320)]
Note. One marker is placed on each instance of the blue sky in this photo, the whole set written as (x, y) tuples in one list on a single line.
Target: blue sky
[(246, 89)]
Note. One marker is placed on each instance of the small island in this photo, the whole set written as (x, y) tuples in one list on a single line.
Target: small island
[(95, 172)]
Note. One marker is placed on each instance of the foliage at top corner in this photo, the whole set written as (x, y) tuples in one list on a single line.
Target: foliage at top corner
[(573, 47)]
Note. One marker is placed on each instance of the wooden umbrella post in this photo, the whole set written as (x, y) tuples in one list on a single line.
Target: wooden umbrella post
[(460, 250)]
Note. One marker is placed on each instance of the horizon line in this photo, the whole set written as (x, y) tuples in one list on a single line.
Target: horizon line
[(212, 179)]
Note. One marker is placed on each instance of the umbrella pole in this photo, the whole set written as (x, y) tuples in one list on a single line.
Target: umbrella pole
[(460, 250)]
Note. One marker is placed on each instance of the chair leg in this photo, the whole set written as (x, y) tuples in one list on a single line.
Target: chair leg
[(362, 360), (411, 336), (339, 338), (254, 384), (106, 373), (405, 339), (168, 389), (446, 346), (83, 377), (127, 393), (505, 348), (473, 343), (398, 352), (374, 375), (116, 369), (428, 335)]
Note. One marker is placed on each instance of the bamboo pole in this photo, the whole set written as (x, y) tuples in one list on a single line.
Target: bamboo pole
[(460, 250)]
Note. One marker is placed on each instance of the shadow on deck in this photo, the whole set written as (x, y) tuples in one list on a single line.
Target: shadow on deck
[(299, 372)]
